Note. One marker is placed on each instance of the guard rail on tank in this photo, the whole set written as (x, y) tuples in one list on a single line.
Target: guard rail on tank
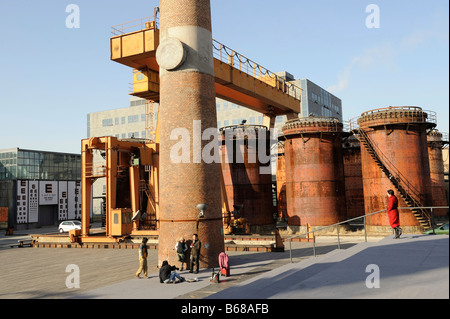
[(314, 124), (432, 222), (243, 127), (388, 113)]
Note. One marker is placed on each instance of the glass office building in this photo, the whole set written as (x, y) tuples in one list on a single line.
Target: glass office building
[(39, 188), (38, 165)]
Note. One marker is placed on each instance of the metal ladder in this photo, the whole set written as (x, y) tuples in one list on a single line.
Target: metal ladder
[(150, 221)]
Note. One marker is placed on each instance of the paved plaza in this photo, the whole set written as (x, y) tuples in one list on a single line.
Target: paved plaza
[(415, 266)]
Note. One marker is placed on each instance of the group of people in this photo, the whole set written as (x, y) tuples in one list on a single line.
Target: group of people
[(167, 273)]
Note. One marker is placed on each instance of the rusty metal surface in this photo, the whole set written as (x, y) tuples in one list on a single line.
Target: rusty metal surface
[(244, 183), (281, 185), (315, 190), (354, 193), (439, 197), (404, 146)]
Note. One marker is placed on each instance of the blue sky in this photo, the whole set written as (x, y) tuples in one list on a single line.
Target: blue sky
[(52, 76)]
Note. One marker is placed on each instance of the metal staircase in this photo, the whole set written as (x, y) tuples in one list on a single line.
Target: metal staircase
[(150, 221), (406, 190)]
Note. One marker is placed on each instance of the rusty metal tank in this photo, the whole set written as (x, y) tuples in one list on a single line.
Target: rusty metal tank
[(395, 139), (436, 142), (315, 190), (281, 182), (354, 193), (247, 179)]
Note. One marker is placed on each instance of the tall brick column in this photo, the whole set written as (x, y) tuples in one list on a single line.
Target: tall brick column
[(187, 94)]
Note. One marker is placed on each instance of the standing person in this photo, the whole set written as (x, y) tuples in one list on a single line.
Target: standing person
[(393, 214), (224, 264), (143, 253), (196, 246), (181, 249), (166, 275)]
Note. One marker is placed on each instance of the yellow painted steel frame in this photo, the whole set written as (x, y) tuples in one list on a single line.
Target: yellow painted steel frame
[(117, 156)]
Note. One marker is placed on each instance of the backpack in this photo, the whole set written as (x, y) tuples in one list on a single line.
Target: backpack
[(215, 277), (181, 247)]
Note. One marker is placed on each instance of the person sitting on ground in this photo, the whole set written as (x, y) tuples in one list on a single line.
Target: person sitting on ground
[(166, 275)]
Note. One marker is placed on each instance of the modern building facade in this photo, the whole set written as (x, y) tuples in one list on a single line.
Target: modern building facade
[(316, 101), (39, 188), (122, 123)]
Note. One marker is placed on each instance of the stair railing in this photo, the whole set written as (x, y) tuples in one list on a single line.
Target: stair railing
[(396, 177), (364, 217)]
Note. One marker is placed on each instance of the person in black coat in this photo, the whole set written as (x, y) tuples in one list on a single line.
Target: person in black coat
[(196, 247), (166, 275)]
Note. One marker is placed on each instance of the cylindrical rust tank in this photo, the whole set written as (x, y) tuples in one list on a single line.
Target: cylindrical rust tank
[(246, 182), (315, 191), (398, 137), (435, 145), (281, 182), (354, 193), (188, 107)]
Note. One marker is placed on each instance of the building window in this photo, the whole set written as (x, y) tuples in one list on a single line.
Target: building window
[(123, 120), (107, 122), (116, 120), (133, 119)]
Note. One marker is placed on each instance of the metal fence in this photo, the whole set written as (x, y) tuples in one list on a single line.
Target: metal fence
[(353, 219), (227, 55)]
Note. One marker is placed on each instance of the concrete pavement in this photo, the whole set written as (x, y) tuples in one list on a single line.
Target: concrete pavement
[(415, 266)]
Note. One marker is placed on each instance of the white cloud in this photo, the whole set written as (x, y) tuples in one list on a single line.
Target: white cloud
[(384, 55), (414, 40), (367, 61)]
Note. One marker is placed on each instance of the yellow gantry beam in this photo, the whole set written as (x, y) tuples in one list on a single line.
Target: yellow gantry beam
[(234, 79)]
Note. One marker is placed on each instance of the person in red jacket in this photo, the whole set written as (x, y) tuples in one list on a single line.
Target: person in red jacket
[(394, 216)]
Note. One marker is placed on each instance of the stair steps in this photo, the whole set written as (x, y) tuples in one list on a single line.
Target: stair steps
[(420, 215)]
